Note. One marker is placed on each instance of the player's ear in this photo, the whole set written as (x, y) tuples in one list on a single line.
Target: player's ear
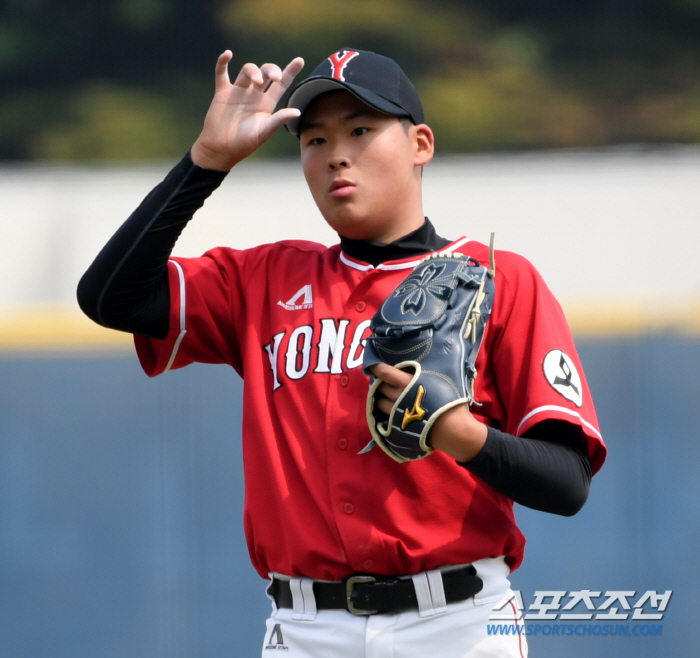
[(424, 142)]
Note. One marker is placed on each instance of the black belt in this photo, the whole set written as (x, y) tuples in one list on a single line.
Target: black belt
[(364, 594)]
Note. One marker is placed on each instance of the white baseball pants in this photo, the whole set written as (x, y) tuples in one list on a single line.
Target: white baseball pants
[(455, 630)]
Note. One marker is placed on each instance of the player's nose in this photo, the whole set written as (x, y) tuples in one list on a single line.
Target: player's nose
[(338, 162), (338, 158)]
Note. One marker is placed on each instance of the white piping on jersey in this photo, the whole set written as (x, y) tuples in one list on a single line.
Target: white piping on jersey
[(400, 266), (183, 328), (553, 407), (451, 247), (357, 266), (365, 267)]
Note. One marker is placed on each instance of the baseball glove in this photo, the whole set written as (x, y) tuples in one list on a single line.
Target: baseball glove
[(432, 326)]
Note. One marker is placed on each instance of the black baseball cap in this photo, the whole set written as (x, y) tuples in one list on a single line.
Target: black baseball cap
[(374, 79)]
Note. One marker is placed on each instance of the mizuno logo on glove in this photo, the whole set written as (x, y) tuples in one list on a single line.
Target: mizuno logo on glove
[(417, 412)]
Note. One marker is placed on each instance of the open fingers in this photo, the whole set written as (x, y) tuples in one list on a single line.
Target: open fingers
[(221, 72), (285, 79), (279, 118), (249, 75), (271, 73), (263, 77), (291, 71)]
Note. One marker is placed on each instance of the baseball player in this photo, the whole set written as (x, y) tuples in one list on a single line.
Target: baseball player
[(364, 556)]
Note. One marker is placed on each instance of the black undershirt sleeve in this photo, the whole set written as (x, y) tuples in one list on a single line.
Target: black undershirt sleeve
[(126, 286), (547, 470)]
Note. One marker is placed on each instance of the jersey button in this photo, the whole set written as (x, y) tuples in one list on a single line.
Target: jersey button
[(349, 508), (344, 380), (360, 306), (343, 444), (368, 564)]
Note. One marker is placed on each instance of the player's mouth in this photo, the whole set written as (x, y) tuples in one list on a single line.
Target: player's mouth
[(340, 188)]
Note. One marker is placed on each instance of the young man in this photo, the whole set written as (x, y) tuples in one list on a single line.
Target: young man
[(366, 556)]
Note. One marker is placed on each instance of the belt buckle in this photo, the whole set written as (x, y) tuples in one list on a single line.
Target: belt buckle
[(350, 586)]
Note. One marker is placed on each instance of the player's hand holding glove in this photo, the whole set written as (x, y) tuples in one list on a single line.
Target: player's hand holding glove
[(432, 326)]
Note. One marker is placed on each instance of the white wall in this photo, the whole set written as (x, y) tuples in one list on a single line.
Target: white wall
[(611, 225)]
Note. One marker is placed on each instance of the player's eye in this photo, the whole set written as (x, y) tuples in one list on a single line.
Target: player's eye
[(315, 141), (359, 131)]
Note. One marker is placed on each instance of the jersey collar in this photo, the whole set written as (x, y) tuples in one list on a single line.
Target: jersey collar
[(423, 240), (402, 264)]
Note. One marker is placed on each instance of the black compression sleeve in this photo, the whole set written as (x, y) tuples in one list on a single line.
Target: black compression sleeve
[(126, 287), (548, 470)]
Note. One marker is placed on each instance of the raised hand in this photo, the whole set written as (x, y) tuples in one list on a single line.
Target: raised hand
[(242, 115)]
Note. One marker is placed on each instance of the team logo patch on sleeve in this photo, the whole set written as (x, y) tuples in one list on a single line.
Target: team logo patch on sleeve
[(562, 376)]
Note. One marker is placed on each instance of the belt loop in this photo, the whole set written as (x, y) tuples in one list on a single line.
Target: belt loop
[(269, 591), (437, 590), (430, 593), (303, 599)]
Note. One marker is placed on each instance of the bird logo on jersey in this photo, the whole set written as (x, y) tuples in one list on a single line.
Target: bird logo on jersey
[(562, 376), (420, 284)]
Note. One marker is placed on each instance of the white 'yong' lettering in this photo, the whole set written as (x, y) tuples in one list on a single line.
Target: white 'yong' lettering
[(331, 349), (293, 369), (331, 343), (272, 350), (357, 347)]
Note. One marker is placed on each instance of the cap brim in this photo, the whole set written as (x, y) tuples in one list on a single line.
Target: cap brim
[(309, 89)]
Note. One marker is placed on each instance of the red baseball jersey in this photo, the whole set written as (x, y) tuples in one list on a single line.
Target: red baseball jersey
[(291, 318)]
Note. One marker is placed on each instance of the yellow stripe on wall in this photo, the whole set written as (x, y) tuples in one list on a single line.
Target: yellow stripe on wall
[(621, 318), (50, 329)]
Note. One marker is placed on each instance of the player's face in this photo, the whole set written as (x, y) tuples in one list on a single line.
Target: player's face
[(363, 167)]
